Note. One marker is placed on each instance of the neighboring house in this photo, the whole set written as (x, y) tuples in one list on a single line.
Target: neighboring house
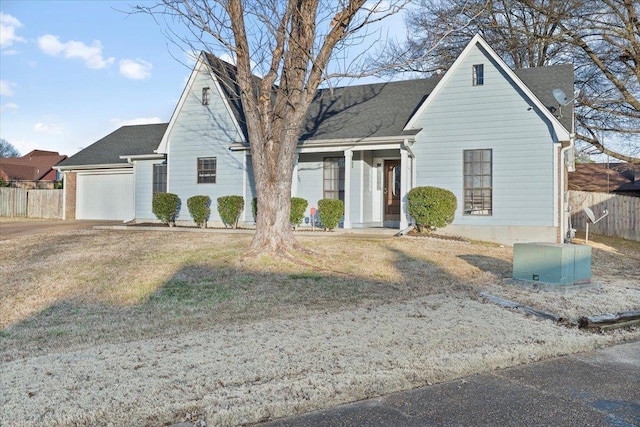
[(619, 178), (33, 170), (493, 136)]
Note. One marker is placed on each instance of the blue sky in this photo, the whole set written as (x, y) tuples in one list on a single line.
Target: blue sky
[(71, 72)]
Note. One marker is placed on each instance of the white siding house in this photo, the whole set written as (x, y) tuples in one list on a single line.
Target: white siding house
[(492, 136)]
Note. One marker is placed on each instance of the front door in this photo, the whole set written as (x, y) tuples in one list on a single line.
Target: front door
[(392, 190)]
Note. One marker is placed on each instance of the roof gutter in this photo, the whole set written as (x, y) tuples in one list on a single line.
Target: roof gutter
[(88, 167), (320, 143), (131, 158)]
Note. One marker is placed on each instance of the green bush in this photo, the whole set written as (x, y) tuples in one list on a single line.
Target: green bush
[(431, 207), (298, 206), (199, 209), (330, 212), (254, 208), (166, 207), (229, 208)]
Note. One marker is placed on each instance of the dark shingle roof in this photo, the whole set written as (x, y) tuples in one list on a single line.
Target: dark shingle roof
[(543, 80), (352, 112), (383, 109), (365, 111), (127, 140)]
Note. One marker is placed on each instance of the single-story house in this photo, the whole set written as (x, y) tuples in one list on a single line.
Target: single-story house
[(33, 170), (495, 137), (618, 178)]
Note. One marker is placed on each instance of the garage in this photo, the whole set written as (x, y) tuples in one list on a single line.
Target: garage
[(106, 195)]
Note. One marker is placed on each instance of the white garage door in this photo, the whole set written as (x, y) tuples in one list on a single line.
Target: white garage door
[(105, 195)]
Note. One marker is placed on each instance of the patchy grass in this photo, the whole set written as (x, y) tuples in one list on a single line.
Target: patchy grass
[(182, 326)]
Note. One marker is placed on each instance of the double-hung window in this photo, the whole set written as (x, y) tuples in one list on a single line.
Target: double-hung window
[(207, 170), (478, 182), (160, 178), (333, 178)]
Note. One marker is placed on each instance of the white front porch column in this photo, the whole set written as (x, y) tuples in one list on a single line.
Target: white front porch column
[(294, 178), (404, 188), (348, 156)]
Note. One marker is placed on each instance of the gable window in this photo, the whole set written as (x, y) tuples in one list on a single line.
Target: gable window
[(333, 178), (478, 74), (207, 170), (160, 178), (205, 95), (478, 182)]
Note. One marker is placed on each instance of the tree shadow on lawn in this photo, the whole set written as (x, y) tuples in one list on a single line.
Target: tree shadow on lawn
[(198, 297), (497, 266)]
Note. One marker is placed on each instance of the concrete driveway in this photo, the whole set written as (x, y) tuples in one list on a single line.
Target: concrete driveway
[(12, 228)]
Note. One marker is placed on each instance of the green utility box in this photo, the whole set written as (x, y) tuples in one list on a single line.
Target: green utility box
[(552, 263)]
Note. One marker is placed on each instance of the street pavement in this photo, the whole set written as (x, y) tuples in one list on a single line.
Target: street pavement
[(600, 388)]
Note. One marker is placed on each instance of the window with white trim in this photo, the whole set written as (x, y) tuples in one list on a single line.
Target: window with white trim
[(478, 182), (206, 93), (207, 170), (160, 178), (478, 74), (333, 178)]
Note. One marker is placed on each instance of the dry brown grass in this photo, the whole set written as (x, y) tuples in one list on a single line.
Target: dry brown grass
[(183, 326)]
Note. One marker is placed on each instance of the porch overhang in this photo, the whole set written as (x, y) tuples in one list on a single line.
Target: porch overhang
[(353, 144)]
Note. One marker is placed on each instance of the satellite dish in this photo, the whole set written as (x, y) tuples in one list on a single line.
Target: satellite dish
[(560, 96), (590, 214)]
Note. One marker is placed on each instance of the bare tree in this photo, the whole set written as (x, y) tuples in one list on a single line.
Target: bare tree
[(291, 44), (7, 149), (601, 38)]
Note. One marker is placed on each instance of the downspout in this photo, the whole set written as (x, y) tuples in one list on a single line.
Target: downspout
[(131, 162), (568, 166), (412, 224)]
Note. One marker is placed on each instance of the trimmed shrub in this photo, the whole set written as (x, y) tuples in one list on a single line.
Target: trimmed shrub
[(229, 208), (199, 209), (431, 207), (298, 206), (166, 206), (330, 212), (254, 208)]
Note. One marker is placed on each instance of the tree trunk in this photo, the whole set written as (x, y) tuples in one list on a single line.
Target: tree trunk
[(273, 230), (273, 171)]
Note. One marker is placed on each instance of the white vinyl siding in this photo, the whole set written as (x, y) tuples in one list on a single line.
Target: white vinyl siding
[(310, 177), (204, 131), (494, 116), (144, 188)]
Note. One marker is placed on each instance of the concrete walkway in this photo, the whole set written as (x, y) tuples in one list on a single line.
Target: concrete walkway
[(594, 389)]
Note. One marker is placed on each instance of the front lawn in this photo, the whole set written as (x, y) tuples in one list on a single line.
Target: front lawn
[(143, 328)]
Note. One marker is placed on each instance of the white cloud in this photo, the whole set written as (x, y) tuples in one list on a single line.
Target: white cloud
[(136, 69), (8, 27), (137, 121), (6, 87), (8, 106), (49, 129), (91, 55)]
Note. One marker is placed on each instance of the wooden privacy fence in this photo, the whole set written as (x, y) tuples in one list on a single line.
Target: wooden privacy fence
[(20, 202), (623, 219)]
